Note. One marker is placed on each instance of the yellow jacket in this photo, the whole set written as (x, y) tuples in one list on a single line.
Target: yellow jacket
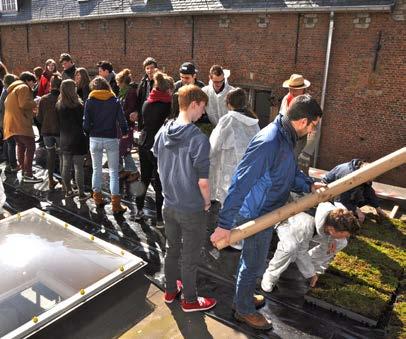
[(18, 110)]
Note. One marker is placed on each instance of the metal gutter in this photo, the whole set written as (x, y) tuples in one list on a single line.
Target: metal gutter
[(264, 10)]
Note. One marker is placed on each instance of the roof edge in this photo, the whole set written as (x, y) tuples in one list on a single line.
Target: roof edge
[(326, 9)]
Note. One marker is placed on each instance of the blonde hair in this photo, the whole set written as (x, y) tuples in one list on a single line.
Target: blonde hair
[(68, 98)]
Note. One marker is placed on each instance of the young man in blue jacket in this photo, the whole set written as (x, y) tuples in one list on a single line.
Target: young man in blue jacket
[(358, 196), (183, 165), (262, 183)]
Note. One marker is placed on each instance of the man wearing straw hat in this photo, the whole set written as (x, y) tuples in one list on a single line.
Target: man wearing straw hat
[(297, 85)]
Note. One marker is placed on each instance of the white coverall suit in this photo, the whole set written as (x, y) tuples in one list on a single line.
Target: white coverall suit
[(295, 235)]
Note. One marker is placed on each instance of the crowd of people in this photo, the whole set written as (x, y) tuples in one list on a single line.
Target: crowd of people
[(248, 171)]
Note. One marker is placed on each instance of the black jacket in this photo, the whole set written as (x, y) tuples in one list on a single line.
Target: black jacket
[(84, 92), (47, 115), (154, 114), (356, 197), (144, 88), (175, 103), (113, 83), (72, 136), (69, 73)]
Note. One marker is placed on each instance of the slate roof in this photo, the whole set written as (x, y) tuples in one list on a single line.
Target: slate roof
[(49, 10)]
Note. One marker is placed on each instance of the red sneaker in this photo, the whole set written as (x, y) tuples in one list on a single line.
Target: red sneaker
[(170, 297), (201, 304)]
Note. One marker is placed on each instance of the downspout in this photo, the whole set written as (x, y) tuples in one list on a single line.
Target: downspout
[(323, 92), (1, 49)]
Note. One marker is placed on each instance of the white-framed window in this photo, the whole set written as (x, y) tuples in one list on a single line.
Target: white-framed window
[(7, 6)]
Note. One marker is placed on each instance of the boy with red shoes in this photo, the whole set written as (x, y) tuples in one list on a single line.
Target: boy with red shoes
[(183, 163)]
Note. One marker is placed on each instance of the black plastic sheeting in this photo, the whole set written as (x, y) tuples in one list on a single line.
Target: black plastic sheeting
[(291, 316)]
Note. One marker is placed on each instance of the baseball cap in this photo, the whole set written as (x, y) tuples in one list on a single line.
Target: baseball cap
[(188, 68)]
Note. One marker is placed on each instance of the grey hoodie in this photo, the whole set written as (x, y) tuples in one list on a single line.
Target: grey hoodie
[(183, 158)]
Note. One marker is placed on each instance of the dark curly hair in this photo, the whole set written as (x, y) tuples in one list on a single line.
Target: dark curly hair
[(343, 221)]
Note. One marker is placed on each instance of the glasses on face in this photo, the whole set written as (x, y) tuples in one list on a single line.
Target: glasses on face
[(218, 82)]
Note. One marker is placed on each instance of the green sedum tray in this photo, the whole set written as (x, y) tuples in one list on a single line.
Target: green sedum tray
[(362, 279)]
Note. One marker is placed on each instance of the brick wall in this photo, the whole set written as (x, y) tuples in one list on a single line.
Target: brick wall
[(365, 114)]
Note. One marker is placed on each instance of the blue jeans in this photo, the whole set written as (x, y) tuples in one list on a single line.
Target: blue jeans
[(9, 148), (252, 265), (111, 146)]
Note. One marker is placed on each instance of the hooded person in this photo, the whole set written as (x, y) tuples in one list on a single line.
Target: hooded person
[(229, 141), (103, 120), (183, 165), (329, 229), (9, 145), (217, 91), (19, 110), (358, 196)]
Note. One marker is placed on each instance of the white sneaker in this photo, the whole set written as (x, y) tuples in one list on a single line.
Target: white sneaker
[(267, 284)]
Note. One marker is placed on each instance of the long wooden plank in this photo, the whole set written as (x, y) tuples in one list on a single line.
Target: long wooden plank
[(337, 187)]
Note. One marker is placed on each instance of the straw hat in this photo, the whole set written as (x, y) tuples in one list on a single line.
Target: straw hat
[(296, 81)]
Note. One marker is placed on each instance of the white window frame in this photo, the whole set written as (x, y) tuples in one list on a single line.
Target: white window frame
[(3, 6)]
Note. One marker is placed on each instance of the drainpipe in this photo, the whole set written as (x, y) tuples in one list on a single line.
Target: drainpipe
[(323, 92)]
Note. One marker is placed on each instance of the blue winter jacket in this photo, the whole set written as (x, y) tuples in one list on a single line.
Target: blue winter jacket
[(102, 116), (358, 196), (264, 177)]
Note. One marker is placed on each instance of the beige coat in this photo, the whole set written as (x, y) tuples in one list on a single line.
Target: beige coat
[(18, 110)]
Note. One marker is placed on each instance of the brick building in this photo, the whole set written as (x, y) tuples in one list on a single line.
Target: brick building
[(261, 42)]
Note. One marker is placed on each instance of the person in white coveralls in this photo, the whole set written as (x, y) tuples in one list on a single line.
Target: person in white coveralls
[(329, 229), (217, 91), (229, 141)]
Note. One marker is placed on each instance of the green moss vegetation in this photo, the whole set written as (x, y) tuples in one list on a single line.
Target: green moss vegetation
[(368, 272), (397, 323), (392, 231), (364, 272), (351, 296)]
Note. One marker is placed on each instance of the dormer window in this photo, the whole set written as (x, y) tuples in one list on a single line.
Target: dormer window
[(8, 6)]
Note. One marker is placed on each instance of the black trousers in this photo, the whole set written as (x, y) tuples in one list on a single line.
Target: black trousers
[(149, 175)]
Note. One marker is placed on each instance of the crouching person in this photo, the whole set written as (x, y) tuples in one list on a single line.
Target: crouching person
[(330, 229), (183, 164)]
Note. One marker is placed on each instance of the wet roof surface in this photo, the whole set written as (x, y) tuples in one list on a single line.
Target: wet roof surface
[(292, 317)]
